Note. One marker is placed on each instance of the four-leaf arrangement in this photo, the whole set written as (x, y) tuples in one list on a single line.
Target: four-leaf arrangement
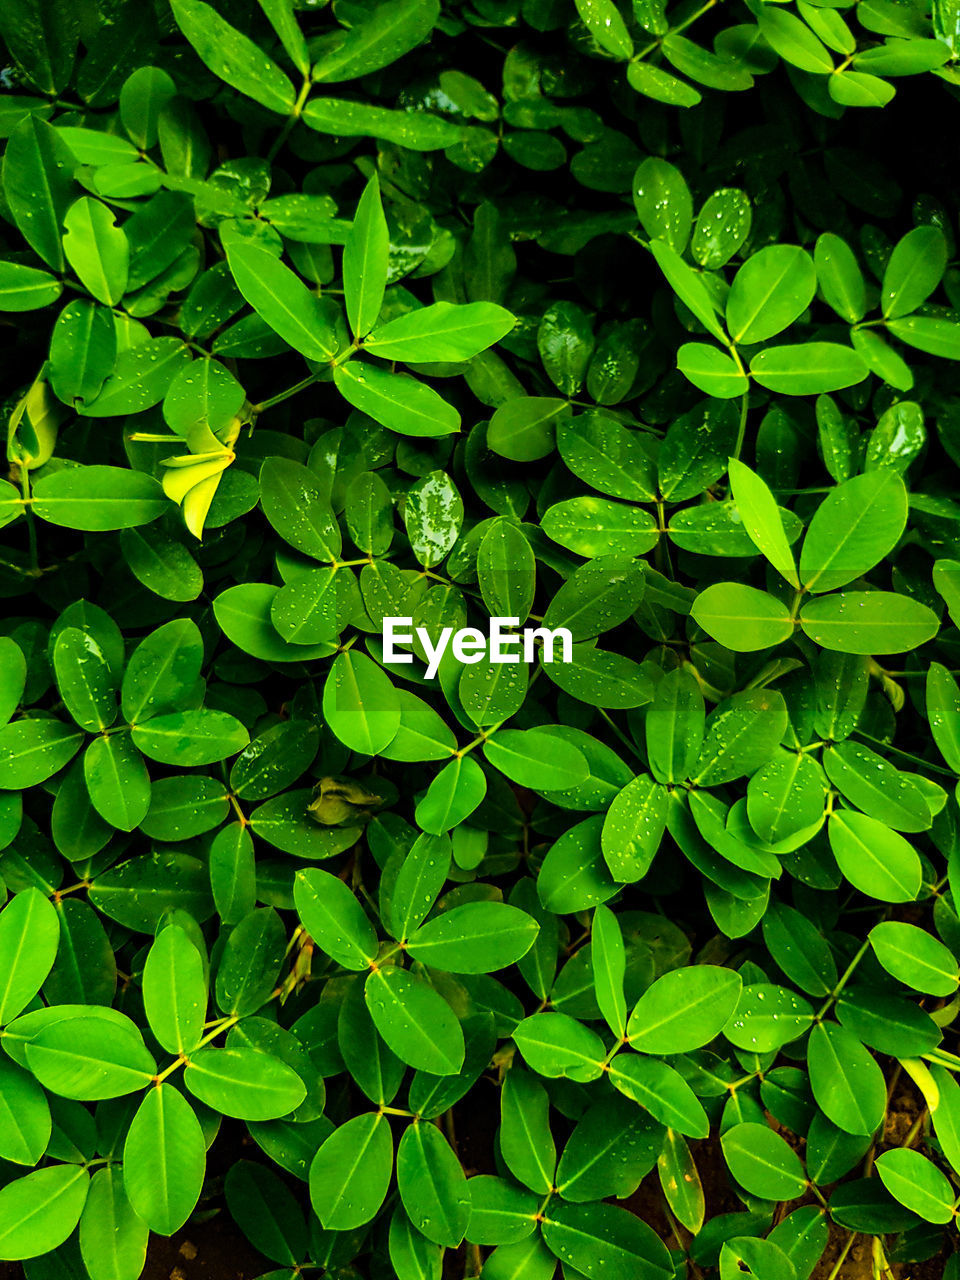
[(598, 316)]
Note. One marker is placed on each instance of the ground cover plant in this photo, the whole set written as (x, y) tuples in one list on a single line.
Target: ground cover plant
[(631, 319)]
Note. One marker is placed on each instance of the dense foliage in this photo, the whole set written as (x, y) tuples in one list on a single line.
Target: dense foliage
[(597, 315)]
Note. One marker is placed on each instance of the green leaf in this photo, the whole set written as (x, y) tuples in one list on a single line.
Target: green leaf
[(369, 513), (143, 97), (82, 1058), (530, 760), (97, 498), (203, 395), (97, 249), (913, 271), (868, 622), (83, 348), (117, 781), (113, 1237), (244, 1083), (25, 288), (25, 1116), (794, 41), (432, 1184), (785, 796), (938, 337), (770, 291), (164, 1160), (296, 505), (684, 1009), (412, 1255), (38, 1212), (137, 892), (573, 876), (603, 1240), (610, 1151), (633, 828), (808, 368), (915, 957), (875, 860), (500, 1211), (396, 400), (523, 428), (506, 571), (175, 991), (280, 297), (417, 130), (761, 519), (742, 618), (526, 1142), (712, 371), (689, 288), (360, 705), (443, 331), (680, 1182), (663, 203), (654, 82), (283, 19), (674, 727), (190, 737), (38, 182), (591, 526), (477, 937), (334, 918), (84, 679), (609, 967), (917, 1183), (555, 1045), (140, 379), (607, 456), (723, 225), (840, 277), (416, 1022), (855, 527), (417, 885), (876, 786), (233, 57), (604, 22), (29, 935), (386, 33), (742, 733), (767, 1017), (433, 515), (42, 39), (943, 713), (365, 256), (267, 1211), (351, 1172), (847, 1084), (763, 1163), (565, 342), (33, 750), (250, 963)]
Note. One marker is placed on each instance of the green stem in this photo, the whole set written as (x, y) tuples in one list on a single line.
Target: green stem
[(835, 1273), (905, 755), (285, 395), (744, 405), (31, 520), (292, 119), (845, 978)]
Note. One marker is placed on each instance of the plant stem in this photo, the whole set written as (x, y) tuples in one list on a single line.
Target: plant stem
[(285, 395), (31, 520)]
